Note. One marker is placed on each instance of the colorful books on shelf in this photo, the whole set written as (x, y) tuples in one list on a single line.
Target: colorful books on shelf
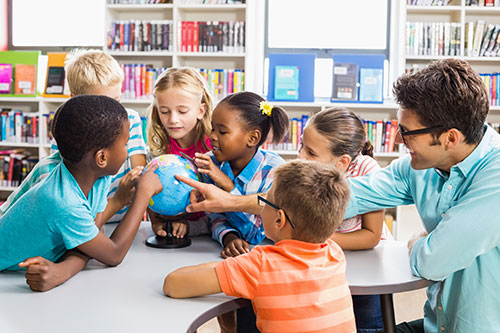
[(433, 38), (491, 81), (211, 36), (382, 134), (482, 3), (293, 137), (19, 127), (139, 80), (222, 82), (136, 35), (15, 165), (428, 2), (18, 73)]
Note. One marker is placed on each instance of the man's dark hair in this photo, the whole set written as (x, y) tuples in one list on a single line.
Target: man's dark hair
[(446, 93), (86, 123)]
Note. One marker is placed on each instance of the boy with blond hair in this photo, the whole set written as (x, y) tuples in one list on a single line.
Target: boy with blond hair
[(298, 284), (88, 72)]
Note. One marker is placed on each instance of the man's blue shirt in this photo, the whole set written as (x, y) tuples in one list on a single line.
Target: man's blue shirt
[(461, 213)]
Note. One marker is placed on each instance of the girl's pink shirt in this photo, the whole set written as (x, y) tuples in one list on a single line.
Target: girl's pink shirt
[(196, 148)]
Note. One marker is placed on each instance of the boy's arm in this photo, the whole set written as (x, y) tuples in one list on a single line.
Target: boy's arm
[(138, 160), (42, 274), (111, 251), (123, 195), (192, 281)]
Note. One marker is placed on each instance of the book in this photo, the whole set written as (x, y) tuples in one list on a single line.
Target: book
[(371, 84), (5, 78), (345, 81), (55, 81), (478, 36), (286, 83), (25, 79)]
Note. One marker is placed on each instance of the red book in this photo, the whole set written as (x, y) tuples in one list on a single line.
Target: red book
[(196, 42), (122, 35), (189, 36)]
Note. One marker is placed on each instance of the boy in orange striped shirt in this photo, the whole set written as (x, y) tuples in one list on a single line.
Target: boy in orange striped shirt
[(298, 284)]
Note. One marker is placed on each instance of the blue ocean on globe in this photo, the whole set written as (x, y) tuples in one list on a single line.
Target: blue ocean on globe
[(175, 195)]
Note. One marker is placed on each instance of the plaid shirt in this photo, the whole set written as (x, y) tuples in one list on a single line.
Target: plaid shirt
[(256, 177)]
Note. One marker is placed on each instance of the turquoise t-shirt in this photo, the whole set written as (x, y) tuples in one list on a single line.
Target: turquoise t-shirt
[(50, 218)]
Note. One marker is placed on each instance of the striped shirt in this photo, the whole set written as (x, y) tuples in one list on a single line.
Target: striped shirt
[(256, 177), (135, 145), (294, 286)]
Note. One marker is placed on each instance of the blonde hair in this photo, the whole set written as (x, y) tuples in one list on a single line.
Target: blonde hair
[(88, 69), (323, 194), (191, 81)]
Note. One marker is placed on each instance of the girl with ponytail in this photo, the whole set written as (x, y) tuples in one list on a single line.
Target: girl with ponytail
[(337, 136), (241, 123)]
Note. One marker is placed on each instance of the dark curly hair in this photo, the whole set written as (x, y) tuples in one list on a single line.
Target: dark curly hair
[(247, 104), (86, 123), (446, 93)]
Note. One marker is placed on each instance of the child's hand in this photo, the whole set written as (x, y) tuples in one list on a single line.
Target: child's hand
[(42, 274), (207, 166), (180, 228), (126, 188), (149, 182), (235, 247)]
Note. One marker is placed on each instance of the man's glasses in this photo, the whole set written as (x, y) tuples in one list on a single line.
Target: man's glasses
[(426, 130), (263, 201)]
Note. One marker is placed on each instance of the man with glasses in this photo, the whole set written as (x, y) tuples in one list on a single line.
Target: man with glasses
[(452, 174)]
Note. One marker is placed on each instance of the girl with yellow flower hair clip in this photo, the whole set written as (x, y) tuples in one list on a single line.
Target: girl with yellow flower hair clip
[(241, 123)]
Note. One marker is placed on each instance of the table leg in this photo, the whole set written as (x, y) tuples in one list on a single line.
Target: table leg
[(388, 313)]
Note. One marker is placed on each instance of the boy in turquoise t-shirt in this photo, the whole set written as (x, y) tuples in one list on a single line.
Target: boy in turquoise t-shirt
[(64, 211)]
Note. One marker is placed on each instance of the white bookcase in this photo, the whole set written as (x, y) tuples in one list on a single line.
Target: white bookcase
[(249, 61)]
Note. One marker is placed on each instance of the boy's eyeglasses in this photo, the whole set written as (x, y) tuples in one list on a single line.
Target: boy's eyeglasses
[(418, 131), (263, 201)]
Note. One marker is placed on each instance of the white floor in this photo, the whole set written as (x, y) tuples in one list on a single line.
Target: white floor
[(408, 306)]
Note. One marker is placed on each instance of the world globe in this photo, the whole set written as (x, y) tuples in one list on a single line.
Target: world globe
[(174, 198)]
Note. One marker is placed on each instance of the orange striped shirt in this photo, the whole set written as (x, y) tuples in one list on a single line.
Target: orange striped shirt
[(294, 286)]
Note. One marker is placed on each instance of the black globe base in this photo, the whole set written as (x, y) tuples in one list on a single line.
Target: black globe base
[(168, 242)]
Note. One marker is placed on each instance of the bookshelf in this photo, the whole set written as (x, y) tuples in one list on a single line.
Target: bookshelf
[(176, 12), (459, 13), (29, 106)]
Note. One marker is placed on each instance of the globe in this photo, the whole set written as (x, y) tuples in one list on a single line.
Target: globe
[(174, 198)]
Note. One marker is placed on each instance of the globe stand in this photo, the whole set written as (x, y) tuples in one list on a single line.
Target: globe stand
[(169, 241)]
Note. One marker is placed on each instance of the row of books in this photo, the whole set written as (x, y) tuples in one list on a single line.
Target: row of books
[(139, 80), (428, 2), (17, 126), (136, 35), (15, 165), (21, 77), (483, 3), (293, 137), (214, 36), (382, 134), (491, 81), (222, 82), (481, 39), (433, 38)]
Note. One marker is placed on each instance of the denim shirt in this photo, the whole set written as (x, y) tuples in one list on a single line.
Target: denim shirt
[(461, 213)]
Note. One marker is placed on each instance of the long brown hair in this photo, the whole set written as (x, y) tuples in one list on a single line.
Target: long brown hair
[(344, 130)]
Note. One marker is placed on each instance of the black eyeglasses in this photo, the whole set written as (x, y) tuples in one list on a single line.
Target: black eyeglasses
[(263, 201), (418, 131)]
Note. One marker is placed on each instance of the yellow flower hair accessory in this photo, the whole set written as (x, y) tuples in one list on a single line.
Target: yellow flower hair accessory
[(266, 108)]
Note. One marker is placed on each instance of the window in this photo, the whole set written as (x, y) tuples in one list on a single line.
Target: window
[(56, 23), (325, 28)]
